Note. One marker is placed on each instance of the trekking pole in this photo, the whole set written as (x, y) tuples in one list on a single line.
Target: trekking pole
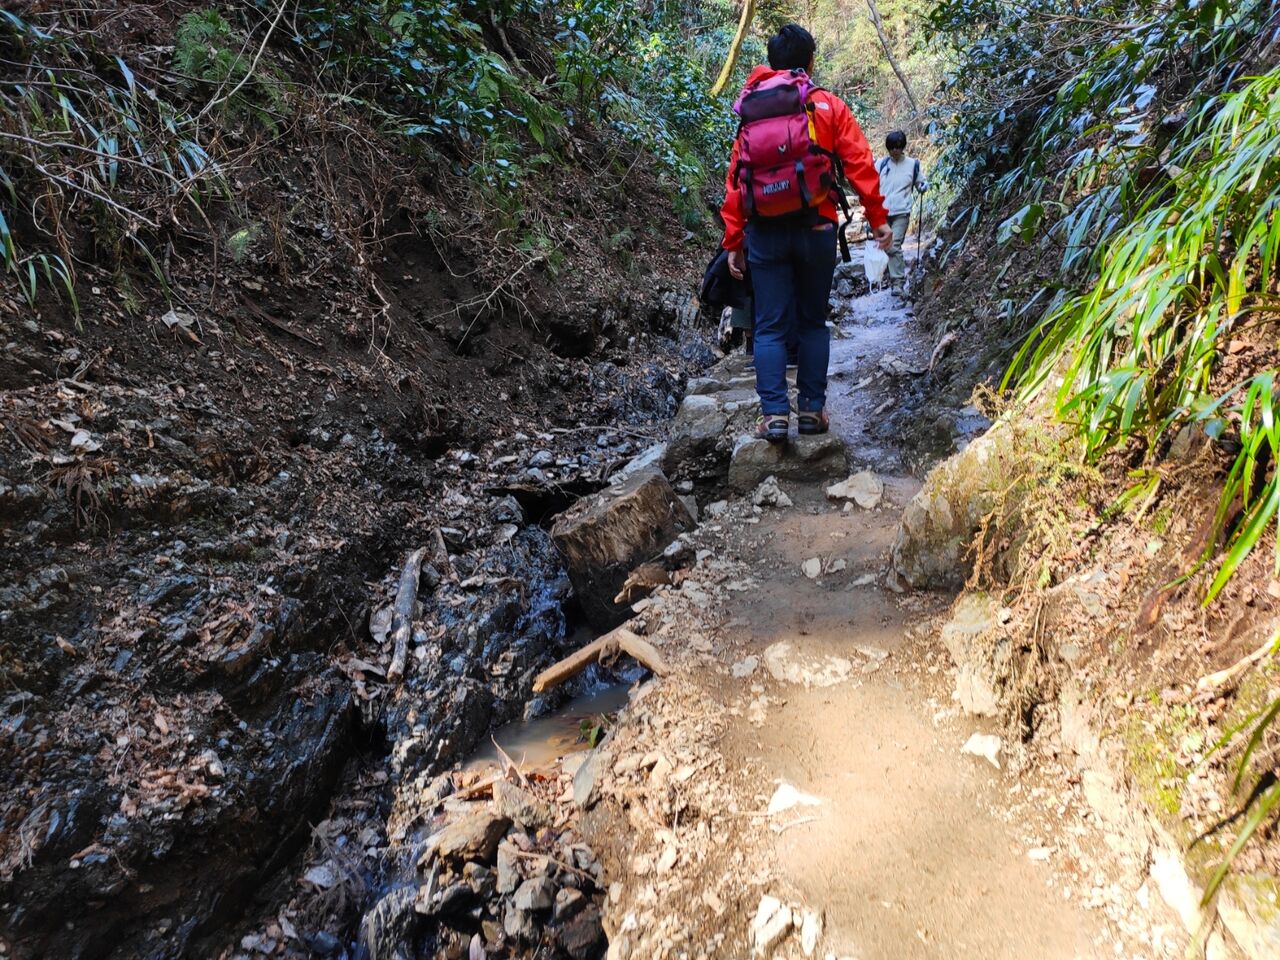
[(919, 233)]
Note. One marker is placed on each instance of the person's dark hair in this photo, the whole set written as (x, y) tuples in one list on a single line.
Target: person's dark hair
[(791, 47), (897, 140)]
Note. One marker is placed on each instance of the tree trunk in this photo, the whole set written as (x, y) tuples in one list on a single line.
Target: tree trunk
[(888, 52), (744, 23)]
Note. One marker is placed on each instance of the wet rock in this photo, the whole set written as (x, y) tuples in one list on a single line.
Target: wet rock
[(519, 925), (583, 936), (322, 943), (606, 536), (863, 488), (520, 806), (568, 902), (387, 929), (455, 901), (473, 837), (536, 893), (805, 459)]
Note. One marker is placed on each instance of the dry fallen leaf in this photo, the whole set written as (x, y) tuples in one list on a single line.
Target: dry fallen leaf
[(162, 724), (65, 646)]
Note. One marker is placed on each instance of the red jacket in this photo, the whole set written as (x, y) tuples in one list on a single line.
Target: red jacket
[(836, 131)]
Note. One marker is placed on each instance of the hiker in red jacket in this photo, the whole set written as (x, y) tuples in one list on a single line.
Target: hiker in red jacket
[(794, 141)]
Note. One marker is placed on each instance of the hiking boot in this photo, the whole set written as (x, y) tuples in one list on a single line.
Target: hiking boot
[(812, 422), (773, 427)]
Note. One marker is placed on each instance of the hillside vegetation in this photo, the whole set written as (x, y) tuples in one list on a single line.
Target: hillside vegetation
[(1115, 243)]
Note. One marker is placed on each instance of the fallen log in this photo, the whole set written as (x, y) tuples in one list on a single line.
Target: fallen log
[(618, 639), (642, 651), (402, 613)]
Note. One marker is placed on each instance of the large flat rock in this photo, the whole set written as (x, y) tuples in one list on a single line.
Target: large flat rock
[(803, 459), (605, 536)]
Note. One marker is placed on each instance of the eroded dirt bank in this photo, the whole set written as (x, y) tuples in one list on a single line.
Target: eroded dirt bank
[(195, 505)]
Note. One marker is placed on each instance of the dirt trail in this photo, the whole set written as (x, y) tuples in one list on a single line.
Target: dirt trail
[(828, 685), (908, 855)]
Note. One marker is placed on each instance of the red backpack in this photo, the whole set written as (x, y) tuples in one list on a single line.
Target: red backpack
[(781, 171)]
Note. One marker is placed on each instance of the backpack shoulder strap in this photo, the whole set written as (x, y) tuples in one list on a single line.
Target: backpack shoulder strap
[(884, 165), (915, 174)]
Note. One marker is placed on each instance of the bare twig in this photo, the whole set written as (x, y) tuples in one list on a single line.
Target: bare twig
[(253, 66)]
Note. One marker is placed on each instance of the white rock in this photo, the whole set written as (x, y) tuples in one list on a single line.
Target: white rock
[(812, 568), (745, 667), (786, 797), (1039, 854), (769, 494), (323, 876), (895, 366), (718, 509), (810, 931), (863, 488), (788, 665), (771, 924), (985, 745)]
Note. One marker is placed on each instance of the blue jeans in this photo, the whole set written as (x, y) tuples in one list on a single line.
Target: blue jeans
[(791, 271)]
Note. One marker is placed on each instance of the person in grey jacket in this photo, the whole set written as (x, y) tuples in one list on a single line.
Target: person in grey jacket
[(900, 180)]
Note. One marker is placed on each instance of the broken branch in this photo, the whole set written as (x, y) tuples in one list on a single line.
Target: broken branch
[(402, 615), (599, 649)]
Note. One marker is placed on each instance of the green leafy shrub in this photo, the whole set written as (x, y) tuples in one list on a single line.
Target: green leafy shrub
[(1138, 351), (207, 54)]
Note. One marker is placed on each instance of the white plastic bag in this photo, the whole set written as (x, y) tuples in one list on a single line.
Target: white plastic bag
[(874, 261)]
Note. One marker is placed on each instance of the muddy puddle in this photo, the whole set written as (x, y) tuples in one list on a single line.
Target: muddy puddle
[(540, 742)]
